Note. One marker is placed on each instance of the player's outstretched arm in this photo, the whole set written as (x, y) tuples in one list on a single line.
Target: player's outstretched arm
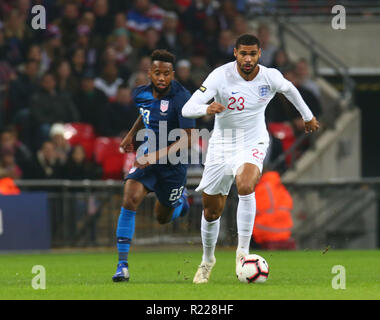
[(126, 144), (287, 88)]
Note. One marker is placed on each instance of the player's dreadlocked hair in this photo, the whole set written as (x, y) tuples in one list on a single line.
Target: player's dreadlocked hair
[(163, 55), (247, 40)]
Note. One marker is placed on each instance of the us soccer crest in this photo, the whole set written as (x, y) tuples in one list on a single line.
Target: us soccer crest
[(264, 90), (164, 106)]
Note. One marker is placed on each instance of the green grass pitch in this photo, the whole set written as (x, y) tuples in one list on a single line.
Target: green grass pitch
[(168, 275)]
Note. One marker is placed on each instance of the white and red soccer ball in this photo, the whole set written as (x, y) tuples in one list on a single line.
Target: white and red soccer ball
[(252, 269)]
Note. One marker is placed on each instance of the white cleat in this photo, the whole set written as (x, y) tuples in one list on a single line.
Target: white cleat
[(203, 273), (239, 256)]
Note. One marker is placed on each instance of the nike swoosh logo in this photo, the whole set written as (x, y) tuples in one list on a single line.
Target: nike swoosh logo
[(235, 92)]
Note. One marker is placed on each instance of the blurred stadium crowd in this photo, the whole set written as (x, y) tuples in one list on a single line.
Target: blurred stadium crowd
[(79, 73)]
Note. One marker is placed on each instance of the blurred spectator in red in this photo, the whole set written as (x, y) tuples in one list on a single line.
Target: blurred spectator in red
[(78, 167), (182, 5), (91, 103), (109, 81), (122, 113), (267, 48), (145, 15), (183, 75)]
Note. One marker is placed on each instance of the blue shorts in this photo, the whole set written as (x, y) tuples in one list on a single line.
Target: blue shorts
[(166, 181)]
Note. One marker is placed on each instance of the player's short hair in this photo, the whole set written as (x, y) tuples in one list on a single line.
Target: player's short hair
[(163, 55), (247, 40)]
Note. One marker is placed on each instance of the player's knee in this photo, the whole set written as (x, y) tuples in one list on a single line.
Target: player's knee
[(212, 214), (131, 202), (245, 189), (163, 219)]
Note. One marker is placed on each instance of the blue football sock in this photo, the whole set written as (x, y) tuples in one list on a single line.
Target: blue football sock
[(124, 233), (177, 211)]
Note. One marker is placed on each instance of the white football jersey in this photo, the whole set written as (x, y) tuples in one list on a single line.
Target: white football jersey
[(245, 102)]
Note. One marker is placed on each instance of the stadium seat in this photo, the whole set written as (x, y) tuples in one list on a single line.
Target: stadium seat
[(107, 154), (81, 133), (105, 147)]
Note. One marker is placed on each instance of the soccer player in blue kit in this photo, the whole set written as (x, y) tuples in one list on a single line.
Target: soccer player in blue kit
[(160, 104)]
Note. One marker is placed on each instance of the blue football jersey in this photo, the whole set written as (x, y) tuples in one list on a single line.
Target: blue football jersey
[(163, 114)]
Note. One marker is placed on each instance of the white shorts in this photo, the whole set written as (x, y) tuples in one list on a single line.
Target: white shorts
[(220, 171)]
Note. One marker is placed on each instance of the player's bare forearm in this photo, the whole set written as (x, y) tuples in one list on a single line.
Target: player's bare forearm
[(126, 144), (215, 107), (138, 125)]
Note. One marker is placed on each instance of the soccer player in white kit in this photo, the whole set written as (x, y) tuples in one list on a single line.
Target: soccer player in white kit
[(241, 91)]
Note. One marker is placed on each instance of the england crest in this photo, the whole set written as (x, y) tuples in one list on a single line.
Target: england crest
[(164, 106), (264, 90)]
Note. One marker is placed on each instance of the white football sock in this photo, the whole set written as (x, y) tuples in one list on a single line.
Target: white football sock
[(209, 232), (246, 212)]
